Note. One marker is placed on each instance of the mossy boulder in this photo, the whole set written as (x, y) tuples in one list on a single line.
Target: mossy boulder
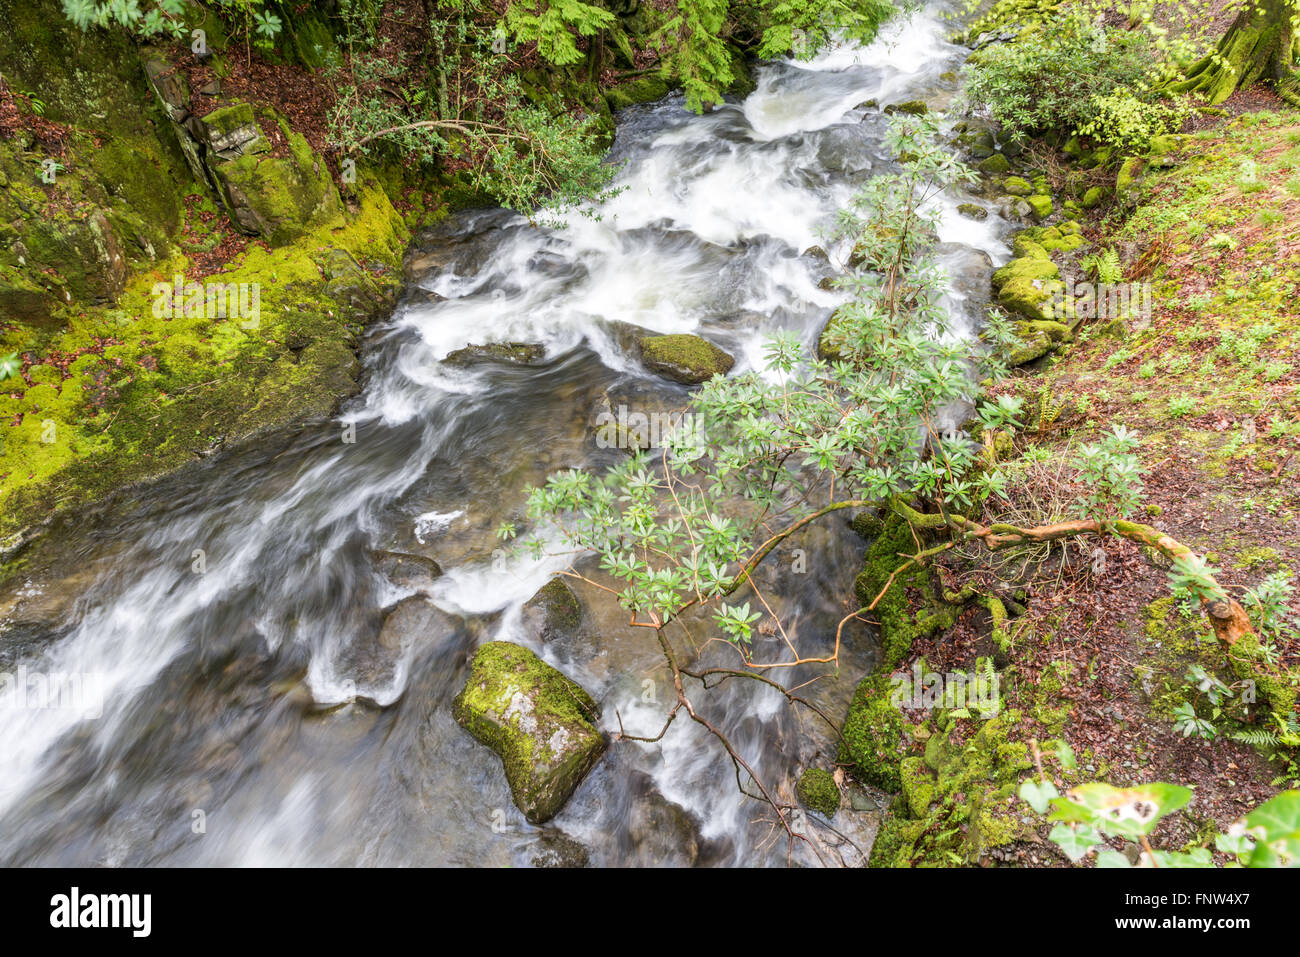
[(1027, 287), (277, 198), (1026, 247), (1040, 204), (1129, 177), (1037, 338), (973, 211), (874, 739), (911, 107), (1017, 186), (538, 721), (1031, 267), (644, 89), (1093, 197), (553, 612), (996, 164), (819, 792), (684, 358)]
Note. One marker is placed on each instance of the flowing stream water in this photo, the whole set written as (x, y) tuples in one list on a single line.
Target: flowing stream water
[(259, 692)]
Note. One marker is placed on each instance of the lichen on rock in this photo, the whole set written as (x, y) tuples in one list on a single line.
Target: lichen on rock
[(540, 723)]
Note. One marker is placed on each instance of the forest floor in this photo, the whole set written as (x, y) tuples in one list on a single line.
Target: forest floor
[(1209, 383)]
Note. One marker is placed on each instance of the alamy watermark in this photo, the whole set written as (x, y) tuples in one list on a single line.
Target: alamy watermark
[(625, 429), (211, 300), (26, 690), (1101, 300), (976, 690)]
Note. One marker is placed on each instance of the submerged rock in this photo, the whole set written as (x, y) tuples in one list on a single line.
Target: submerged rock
[(414, 572), (538, 721), (557, 849), (684, 358), (553, 612)]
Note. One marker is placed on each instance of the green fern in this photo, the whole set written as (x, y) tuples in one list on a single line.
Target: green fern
[(1105, 267), (1256, 737)]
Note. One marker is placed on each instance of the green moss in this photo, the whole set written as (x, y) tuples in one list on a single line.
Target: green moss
[(147, 392), (819, 792), (872, 742), (1017, 186), (995, 164), (685, 358), (959, 800), (900, 625), (1028, 268), (643, 89), (913, 107), (537, 720), (918, 785), (1040, 204)]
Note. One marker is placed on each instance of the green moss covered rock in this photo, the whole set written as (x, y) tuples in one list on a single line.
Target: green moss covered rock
[(277, 198), (1017, 186), (1040, 204), (538, 721), (684, 358), (995, 164), (819, 792), (912, 107), (874, 741)]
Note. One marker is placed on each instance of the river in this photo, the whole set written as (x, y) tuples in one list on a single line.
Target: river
[(265, 695)]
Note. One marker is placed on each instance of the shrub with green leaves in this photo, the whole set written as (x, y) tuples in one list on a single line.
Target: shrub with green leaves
[(808, 437), (1077, 77)]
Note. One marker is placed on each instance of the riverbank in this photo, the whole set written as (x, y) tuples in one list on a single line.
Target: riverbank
[(1089, 648), (126, 168)]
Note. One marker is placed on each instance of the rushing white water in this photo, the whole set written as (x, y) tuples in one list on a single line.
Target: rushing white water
[(220, 619)]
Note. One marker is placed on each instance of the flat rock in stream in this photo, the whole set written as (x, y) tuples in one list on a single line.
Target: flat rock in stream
[(509, 353), (414, 573), (540, 723), (684, 358)]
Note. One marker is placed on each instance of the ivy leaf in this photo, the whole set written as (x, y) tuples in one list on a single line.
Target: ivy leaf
[(1038, 796), (1075, 841)]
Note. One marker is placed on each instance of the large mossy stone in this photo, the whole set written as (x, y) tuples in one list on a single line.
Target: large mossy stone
[(872, 743), (911, 107), (538, 721), (996, 164), (1017, 186), (1029, 267), (826, 350), (684, 358), (1040, 204), (277, 198), (644, 89)]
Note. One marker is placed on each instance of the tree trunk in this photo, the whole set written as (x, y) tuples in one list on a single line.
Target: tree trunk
[(1258, 47)]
